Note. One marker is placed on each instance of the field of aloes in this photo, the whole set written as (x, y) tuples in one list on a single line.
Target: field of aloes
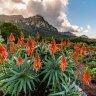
[(36, 67)]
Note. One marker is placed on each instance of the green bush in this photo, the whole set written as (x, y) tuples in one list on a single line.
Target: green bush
[(1, 38), (7, 28)]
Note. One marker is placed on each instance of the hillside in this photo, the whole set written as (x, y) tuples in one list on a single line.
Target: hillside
[(31, 25)]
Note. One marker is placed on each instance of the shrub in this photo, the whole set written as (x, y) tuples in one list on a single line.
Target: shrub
[(7, 28), (1, 38)]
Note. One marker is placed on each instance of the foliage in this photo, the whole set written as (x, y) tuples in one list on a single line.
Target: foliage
[(53, 73), (84, 40), (16, 79), (7, 28), (68, 88), (1, 38), (90, 61), (93, 73)]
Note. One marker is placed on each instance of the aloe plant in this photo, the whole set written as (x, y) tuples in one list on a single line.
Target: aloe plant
[(18, 78), (53, 74), (69, 88)]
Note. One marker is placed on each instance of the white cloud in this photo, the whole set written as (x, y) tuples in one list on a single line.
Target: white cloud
[(88, 26), (54, 11), (87, 29)]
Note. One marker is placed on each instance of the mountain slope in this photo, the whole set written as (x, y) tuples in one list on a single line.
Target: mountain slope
[(31, 25)]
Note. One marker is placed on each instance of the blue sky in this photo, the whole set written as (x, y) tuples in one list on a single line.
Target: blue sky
[(82, 13)]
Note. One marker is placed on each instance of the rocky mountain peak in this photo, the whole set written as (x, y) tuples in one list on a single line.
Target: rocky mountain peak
[(31, 25), (38, 17)]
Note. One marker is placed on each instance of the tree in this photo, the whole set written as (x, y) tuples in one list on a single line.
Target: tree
[(1, 39), (7, 28)]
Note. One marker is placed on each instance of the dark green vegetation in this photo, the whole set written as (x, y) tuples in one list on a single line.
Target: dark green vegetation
[(90, 61), (7, 28), (86, 40)]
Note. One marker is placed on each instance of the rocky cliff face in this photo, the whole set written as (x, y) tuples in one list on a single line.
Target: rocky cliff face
[(31, 25)]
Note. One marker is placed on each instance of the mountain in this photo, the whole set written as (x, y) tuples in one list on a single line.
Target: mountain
[(68, 34), (31, 25), (84, 36)]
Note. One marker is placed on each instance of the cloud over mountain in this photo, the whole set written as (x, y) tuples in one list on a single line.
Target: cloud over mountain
[(54, 11), (18, 1)]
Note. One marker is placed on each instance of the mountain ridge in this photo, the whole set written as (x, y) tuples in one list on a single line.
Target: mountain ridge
[(34, 24)]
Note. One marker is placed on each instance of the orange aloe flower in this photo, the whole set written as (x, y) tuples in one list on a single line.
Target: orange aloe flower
[(75, 55), (11, 38), (63, 43), (83, 51), (19, 43), (3, 53), (38, 36), (76, 47), (68, 42), (37, 63), (86, 77), (31, 47), (63, 63), (20, 61), (22, 37), (59, 47), (53, 46), (30, 51), (12, 47), (31, 43)]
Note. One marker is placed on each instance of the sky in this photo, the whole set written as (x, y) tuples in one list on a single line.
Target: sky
[(82, 13), (76, 16)]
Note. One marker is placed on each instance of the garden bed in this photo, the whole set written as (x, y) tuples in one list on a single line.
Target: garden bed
[(39, 68), (90, 90)]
